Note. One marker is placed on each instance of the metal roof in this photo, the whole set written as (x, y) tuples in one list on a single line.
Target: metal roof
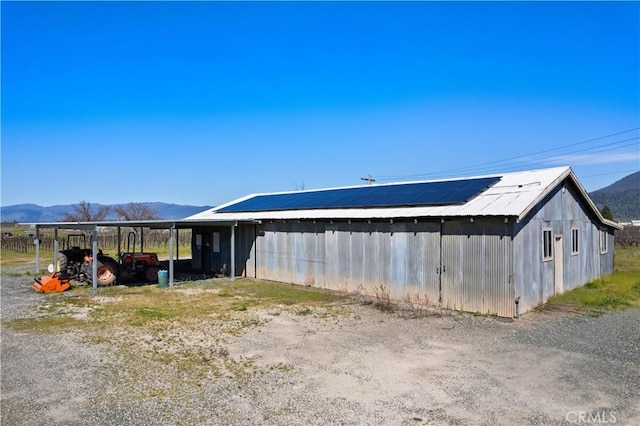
[(513, 195), (457, 191)]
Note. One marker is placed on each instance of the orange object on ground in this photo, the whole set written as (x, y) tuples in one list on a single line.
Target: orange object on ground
[(51, 284)]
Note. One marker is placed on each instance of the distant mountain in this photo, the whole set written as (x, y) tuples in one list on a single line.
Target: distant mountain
[(622, 197), (36, 213)]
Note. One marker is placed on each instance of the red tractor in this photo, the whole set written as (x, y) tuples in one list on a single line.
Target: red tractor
[(144, 265), (73, 265)]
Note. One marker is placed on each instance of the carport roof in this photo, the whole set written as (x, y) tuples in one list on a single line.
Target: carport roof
[(152, 224)]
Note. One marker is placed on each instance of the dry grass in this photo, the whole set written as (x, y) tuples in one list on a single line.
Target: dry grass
[(182, 330)]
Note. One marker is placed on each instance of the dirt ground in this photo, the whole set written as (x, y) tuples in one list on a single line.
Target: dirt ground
[(364, 366)]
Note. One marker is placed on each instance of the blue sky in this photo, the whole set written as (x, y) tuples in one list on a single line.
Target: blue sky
[(203, 102)]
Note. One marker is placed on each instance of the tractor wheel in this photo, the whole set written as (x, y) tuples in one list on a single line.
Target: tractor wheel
[(105, 276), (111, 264), (151, 273), (63, 262), (107, 271)]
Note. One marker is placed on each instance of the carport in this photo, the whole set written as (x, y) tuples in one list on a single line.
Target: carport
[(172, 225)]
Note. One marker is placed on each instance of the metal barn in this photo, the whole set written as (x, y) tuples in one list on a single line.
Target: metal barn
[(498, 244)]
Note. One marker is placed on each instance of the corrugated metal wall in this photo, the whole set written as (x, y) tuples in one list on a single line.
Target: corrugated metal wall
[(401, 260), (561, 211), (476, 267), (291, 252)]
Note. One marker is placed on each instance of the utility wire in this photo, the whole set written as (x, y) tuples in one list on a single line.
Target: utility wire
[(490, 165), (554, 158), (532, 161), (619, 172), (551, 159)]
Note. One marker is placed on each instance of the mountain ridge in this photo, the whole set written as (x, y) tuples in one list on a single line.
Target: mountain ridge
[(622, 197)]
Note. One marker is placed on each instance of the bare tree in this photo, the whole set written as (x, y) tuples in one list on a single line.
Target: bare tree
[(83, 212), (299, 186), (136, 211)]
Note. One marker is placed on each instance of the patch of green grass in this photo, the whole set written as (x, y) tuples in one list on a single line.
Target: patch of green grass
[(147, 314), (278, 293), (240, 307), (618, 291), (44, 324), (595, 284), (627, 259)]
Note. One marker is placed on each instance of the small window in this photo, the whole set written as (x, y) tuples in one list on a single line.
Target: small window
[(547, 244), (603, 242), (216, 242), (575, 244)]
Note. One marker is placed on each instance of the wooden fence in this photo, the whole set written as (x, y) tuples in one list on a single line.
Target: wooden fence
[(106, 241)]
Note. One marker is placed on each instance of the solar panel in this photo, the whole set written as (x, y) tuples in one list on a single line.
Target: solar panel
[(396, 195)]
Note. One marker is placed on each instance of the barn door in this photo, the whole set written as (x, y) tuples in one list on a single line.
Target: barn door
[(206, 251), (475, 267), (425, 264), (558, 265), (451, 291)]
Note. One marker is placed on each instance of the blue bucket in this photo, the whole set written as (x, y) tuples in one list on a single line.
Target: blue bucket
[(163, 279)]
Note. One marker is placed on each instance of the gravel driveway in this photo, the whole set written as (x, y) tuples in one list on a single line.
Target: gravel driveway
[(363, 367)]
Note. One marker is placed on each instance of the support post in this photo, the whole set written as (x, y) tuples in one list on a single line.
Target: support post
[(94, 264), (177, 244), (55, 250), (233, 251), (37, 243), (171, 256), (119, 245)]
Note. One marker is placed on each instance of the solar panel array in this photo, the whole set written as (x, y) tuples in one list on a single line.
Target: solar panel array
[(396, 195)]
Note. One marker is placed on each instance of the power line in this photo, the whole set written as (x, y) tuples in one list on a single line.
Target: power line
[(528, 158), (619, 172), (546, 160), (532, 160)]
